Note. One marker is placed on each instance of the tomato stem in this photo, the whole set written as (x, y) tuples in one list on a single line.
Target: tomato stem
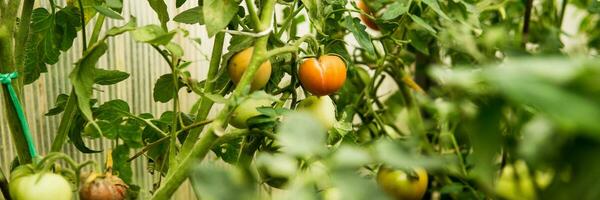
[(209, 87), (176, 177)]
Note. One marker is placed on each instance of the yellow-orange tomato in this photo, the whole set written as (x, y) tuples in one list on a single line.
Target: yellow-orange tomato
[(238, 64), (370, 23), (401, 185), (323, 76)]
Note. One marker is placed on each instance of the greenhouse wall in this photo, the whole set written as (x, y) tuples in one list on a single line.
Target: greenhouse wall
[(143, 63)]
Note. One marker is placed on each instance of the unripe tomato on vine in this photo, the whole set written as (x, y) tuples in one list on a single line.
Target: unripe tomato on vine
[(237, 67), (322, 108), (322, 76), (402, 185), (40, 185), (370, 23), (246, 110)]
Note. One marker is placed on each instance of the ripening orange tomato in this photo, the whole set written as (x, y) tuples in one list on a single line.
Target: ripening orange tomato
[(322, 76), (370, 23), (238, 64)]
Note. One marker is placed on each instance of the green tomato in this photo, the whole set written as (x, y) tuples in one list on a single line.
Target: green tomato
[(401, 185), (40, 186), (321, 108), (515, 182), (246, 110)]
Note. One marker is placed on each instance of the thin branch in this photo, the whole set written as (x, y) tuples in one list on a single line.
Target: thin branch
[(527, 17), (149, 146)]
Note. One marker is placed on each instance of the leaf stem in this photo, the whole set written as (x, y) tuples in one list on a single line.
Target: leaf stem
[(96, 30), (83, 32), (252, 11), (527, 19)]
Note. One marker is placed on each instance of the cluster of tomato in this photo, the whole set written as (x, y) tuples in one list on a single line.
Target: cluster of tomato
[(322, 76), (35, 181)]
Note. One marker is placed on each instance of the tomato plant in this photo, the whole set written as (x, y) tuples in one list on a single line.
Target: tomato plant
[(458, 99)]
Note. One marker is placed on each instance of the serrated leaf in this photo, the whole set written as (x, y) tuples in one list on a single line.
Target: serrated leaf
[(59, 106), (131, 134), (130, 26), (175, 49), (153, 34), (218, 13), (82, 78), (358, 31), (422, 23), (76, 136), (115, 4), (120, 165), (396, 9), (40, 20), (107, 12), (88, 8), (433, 4), (160, 8), (190, 16), (109, 77), (67, 23), (164, 88)]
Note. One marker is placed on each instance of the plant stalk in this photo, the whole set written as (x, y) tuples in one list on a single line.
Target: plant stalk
[(199, 151), (7, 65), (209, 87)]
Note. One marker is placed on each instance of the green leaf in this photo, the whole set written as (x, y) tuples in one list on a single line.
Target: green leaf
[(131, 133), (112, 110), (216, 182), (59, 106), (301, 134), (41, 20), (68, 20), (153, 34), (82, 78), (76, 136), (109, 77), (191, 16), (130, 26), (422, 23), (218, 13), (109, 130), (107, 12), (358, 31), (164, 88), (120, 165), (396, 9), (175, 49), (179, 3), (116, 5), (433, 4), (160, 8), (88, 8)]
